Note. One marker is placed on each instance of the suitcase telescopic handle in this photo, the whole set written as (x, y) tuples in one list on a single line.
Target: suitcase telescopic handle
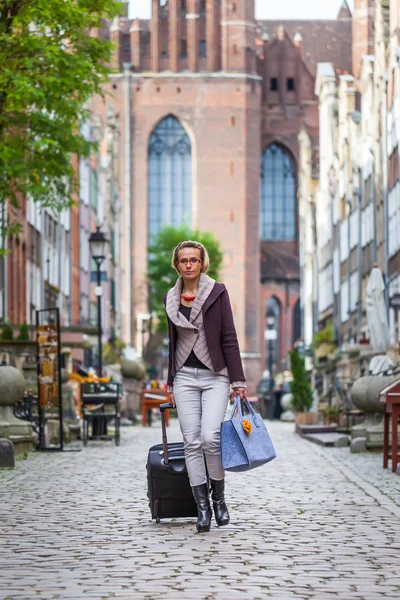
[(163, 408), (166, 406)]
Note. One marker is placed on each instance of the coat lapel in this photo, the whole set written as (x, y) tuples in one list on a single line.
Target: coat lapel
[(173, 300), (206, 285)]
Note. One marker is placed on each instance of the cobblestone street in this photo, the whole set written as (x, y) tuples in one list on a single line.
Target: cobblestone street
[(315, 523)]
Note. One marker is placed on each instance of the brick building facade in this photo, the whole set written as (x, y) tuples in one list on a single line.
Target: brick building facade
[(240, 90)]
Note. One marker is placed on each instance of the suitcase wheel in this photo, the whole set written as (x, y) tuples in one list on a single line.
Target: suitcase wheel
[(156, 511)]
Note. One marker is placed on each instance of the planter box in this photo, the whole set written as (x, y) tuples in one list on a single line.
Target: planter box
[(306, 418)]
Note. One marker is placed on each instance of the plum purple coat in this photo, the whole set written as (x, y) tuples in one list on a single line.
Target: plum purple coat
[(220, 332)]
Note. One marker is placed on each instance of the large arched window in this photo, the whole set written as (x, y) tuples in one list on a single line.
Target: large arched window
[(170, 176), (278, 195)]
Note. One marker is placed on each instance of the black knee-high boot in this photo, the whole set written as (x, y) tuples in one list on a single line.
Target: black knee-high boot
[(218, 496), (200, 493)]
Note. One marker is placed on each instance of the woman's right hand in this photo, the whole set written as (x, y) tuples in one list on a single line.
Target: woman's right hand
[(172, 399)]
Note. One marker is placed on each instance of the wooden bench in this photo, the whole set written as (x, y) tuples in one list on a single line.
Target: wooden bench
[(152, 399)]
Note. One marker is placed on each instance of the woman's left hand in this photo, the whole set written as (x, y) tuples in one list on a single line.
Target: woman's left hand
[(241, 391)]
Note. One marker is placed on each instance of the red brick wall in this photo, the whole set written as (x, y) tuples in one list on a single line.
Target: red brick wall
[(222, 117), (363, 32)]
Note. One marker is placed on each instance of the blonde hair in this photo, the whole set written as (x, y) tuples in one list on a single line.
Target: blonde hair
[(205, 259)]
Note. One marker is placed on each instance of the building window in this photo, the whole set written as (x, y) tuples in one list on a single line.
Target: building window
[(203, 48), (169, 176), (183, 48), (94, 189), (112, 244), (273, 84), (113, 295), (183, 5), (272, 334), (290, 84), (278, 195), (297, 321), (203, 6)]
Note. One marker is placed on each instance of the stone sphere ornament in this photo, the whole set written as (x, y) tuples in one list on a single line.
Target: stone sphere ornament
[(133, 369), (12, 385)]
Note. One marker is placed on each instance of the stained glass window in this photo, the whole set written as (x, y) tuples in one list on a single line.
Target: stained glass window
[(278, 195), (170, 176)]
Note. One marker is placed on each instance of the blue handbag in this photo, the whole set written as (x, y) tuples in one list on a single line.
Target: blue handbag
[(245, 442)]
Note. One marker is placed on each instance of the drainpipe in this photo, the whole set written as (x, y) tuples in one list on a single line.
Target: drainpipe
[(4, 249), (359, 304), (348, 273), (127, 225), (60, 266), (373, 212), (386, 192), (315, 267), (287, 310), (42, 257), (335, 332)]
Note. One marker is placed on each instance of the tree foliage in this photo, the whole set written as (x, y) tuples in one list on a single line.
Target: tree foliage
[(50, 66), (302, 396), (162, 277)]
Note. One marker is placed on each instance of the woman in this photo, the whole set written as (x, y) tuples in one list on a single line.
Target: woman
[(204, 359)]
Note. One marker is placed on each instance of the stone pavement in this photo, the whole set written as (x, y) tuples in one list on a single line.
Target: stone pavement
[(315, 523)]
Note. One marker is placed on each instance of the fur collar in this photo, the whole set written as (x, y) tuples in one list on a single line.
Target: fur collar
[(206, 285)]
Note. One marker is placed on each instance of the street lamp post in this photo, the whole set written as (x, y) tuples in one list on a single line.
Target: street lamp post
[(98, 243)]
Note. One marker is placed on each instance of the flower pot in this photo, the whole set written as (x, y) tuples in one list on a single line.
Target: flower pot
[(330, 419), (306, 418)]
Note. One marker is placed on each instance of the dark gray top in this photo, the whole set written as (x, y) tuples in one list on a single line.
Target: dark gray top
[(192, 361)]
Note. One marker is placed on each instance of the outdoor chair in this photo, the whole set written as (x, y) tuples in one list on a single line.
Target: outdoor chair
[(100, 404)]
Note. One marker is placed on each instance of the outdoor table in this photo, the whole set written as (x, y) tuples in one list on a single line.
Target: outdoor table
[(152, 398), (390, 395)]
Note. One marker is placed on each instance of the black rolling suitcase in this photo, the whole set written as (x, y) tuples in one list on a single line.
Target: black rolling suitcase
[(169, 490)]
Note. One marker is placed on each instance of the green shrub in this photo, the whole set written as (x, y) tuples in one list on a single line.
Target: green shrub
[(23, 333), (325, 336), (6, 332), (302, 396)]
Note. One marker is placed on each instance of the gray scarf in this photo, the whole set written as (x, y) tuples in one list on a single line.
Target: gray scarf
[(206, 285)]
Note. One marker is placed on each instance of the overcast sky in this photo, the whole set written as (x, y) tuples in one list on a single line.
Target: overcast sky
[(267, 9)]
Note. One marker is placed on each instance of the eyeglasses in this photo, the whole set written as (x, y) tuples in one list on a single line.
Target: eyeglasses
[(193, 261)]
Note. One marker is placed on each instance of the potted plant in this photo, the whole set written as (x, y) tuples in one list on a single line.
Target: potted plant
[(302, 396), (331, 414)]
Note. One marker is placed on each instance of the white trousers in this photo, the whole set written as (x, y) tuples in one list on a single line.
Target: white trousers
[(201, 398)]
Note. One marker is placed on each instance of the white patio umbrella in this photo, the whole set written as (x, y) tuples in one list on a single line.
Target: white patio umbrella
[(378, 325)]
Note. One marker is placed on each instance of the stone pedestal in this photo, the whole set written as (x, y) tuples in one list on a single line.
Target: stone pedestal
[(133, 373), (7, 460), (358, 444), (365, 396), (19, 432), (287, 414), (71, 422), (29, 372)]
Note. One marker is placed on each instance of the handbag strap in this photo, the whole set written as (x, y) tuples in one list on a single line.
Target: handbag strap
[(237, 406)]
